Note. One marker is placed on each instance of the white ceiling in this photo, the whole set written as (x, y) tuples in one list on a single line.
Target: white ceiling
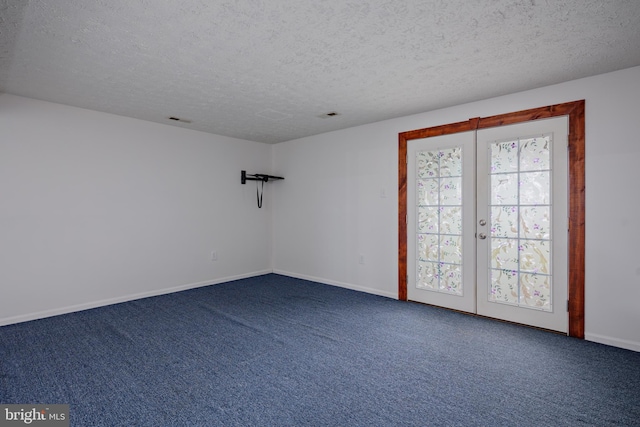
[(265, 70)]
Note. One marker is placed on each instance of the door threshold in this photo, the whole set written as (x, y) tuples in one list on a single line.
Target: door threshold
[(491, 318)]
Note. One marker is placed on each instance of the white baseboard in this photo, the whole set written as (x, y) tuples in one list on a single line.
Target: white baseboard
[(615, 342), (339, 284), (124, 298)]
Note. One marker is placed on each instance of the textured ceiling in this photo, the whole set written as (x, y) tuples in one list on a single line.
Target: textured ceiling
[(265, 70)]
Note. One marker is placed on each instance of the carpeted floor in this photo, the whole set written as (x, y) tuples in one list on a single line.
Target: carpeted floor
[(278, 351)]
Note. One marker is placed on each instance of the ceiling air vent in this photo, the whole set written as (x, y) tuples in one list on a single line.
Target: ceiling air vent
[(178, 119), (329, 115)]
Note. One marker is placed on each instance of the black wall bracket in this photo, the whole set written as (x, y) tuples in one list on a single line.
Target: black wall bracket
[(244, 177)]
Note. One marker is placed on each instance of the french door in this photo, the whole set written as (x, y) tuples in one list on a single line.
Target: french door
[(487, 222), (441, 221)]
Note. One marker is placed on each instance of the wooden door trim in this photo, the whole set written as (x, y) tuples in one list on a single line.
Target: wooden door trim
[(576, 257)]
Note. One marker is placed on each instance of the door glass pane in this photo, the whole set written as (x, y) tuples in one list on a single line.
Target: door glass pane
[(535, 188), (451, 162), (428, 247), (535, 256), (427, 164), (504, 157), (428, 276), (504, 286), (505, 186), (428, 220), (535, 290), (535, 222), (535, 154), (450, 249), (439, 220), (451, 281), (504, 254), (428, 194), (451, 220), (504, 221), (451, 191), (520, 218)]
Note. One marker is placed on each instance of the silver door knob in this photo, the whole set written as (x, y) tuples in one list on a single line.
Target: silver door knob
[(482, 236), (483, 222)]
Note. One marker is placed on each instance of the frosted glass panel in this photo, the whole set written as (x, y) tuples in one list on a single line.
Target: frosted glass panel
[(535, 188), (451, 279), (535, 290), (535, 154), (428, 245), (451, 249), (451, 162), (504, 286), (428, 276), (504, 254), (427, 164), (451, 220), (520, 217), (535, 222), (504, 221), (427, 220), (439, 215), (428, 194), (535, 256), (504, 157), (451, 191), (504, 189)]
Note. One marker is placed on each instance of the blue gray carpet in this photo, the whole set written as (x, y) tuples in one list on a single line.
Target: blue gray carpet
[(278, 351)]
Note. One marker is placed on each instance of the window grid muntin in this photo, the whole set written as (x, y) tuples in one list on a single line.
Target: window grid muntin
[(439, 267), (519, 272)]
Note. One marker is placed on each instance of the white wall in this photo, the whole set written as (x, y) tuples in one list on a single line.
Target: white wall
[(330, 209), (97, 208)]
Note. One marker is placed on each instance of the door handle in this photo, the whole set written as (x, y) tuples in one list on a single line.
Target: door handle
[(482, 236)]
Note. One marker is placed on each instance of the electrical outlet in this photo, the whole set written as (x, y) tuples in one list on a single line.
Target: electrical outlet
[(214, 255)]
